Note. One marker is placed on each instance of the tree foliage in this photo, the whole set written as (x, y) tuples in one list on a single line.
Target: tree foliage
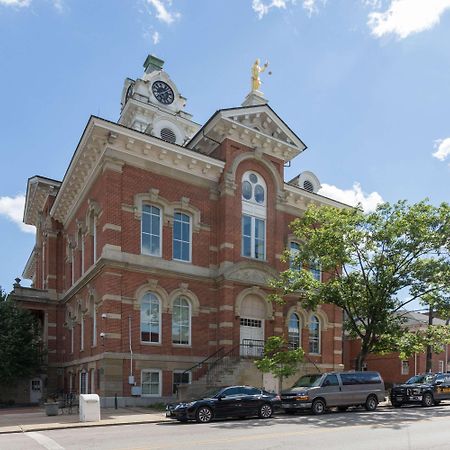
[(378, 263), (20, 342), (278, 360)]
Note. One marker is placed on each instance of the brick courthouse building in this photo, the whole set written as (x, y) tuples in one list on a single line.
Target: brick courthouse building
[(155, 249)]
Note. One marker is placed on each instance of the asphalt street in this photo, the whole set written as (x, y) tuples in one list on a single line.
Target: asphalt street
[(411, 428)]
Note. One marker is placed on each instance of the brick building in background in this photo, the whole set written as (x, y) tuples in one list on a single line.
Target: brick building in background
[(391, 367), (154, 251)]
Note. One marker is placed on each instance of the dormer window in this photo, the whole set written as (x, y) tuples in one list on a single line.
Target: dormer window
[(253, 216)]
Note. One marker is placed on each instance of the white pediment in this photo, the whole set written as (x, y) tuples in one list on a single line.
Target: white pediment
[(254, 126), (250, 273)]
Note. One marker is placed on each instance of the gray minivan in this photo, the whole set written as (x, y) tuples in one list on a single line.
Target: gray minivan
[(318, 392)]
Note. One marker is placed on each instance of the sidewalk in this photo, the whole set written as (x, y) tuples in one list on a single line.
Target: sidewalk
[(19, 420)]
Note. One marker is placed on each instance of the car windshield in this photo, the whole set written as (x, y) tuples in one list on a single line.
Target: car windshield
[(309, 380), (420, 379), (213, 393)]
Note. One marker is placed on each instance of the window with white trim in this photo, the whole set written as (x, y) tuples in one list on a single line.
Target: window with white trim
[(71, 339), (405, 368), (43, 265), (83, 382), (94, 238), (151, 383), (314, 335), (294, 331), (182, 237), (151, 230), (181, 321), (294, 250), (150, 318), (316, 271), (72, 266), (253, 216)]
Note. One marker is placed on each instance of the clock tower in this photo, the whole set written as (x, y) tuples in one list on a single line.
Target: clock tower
[(153, 105)]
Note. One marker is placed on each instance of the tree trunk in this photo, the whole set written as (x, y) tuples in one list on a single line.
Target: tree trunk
[(361, 358), (429, 360)]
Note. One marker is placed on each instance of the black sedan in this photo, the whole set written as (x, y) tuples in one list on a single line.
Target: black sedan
[(232, 401)]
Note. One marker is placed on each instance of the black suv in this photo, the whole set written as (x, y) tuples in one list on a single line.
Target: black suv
[(427, 389)]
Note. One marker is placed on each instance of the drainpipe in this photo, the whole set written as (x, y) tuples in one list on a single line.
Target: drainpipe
[(131, 350)]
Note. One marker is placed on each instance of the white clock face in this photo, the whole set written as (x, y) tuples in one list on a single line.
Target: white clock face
[(163, 92)]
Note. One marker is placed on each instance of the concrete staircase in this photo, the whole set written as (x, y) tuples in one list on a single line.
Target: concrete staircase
[(228, 371)]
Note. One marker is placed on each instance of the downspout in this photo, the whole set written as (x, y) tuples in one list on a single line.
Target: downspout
[(131, 349)]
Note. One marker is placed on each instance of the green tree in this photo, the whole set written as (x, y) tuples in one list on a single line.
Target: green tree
[(278, 360), (378, 263), (20, 342)]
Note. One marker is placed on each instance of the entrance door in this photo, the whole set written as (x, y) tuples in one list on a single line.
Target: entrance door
[(35, 390), (252, 337)]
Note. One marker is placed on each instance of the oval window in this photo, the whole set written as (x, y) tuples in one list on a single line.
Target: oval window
[(246, 190), (259, 194), (253, 178)]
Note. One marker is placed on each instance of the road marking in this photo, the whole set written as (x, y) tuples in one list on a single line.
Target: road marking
[(44, 440)]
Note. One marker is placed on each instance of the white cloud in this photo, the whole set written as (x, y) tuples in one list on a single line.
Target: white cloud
[(262, 7), (19, 3), (12, 208), (405, 17), (156, 37), (353, 197), (59, 5), (443, 149), (162, 11)]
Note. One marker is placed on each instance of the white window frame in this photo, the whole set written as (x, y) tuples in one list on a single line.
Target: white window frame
[(293, 254), (86, 382), (441, 366), (252, 237), (159, 253), (159, 372), (72, 268), (255, 211), (319, 269), (319, 336), (299, 343), (179, 240), (159, 319), (189, 373), (43, 265), (190, 323), (71, 339), (82, 254), (404, 370)]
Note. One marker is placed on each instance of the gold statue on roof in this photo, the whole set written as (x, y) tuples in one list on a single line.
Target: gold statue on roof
[(256, 70)]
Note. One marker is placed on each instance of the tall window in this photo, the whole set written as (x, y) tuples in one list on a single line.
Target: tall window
[(94, 323), (82, 333), (150, 318), (316, 271), (72, 266), (71, 339), (294, 331), (181, 321), (151, 230), (43, 265), (94, 238), (314, 335), (294, 249), (182, 237), (151, 383), (253, 216), (81, 254)]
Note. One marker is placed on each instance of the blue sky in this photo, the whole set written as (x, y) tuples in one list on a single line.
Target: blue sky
[(364, 83)]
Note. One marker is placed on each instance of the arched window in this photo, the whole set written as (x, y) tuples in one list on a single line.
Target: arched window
[(93, 228), (254, 201), (314, 335), (81, 332), (151, 230), (182, 237), (150, 318), (181, 321), (294, 249), (294, 331)]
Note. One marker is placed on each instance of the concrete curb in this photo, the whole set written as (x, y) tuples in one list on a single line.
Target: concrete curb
[(52, 426)]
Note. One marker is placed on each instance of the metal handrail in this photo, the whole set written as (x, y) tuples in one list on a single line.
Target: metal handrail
[(201, 363)]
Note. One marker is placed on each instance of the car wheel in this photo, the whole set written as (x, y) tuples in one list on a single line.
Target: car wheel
[(204, 414), (318, 407), (427, 399), (342, 408), (265, 411), (371, 403)]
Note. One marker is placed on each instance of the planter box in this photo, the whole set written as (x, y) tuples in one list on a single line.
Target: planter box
[(51, 409)]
